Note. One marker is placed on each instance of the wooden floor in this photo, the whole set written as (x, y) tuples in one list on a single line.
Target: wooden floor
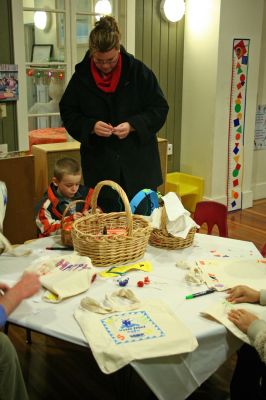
[(54, 369)]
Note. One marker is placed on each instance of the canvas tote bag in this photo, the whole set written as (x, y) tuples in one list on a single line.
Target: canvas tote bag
[(63, 276), (139, 330)]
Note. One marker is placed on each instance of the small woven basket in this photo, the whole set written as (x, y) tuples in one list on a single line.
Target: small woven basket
[(161, 237), (66, 237), (128, 240)]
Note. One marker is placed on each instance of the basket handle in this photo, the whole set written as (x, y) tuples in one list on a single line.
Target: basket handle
[(163, 220), (67, 208), (123, 196)]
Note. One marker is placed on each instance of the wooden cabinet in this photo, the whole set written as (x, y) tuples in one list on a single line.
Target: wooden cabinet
[(17, 171), (45, 156)]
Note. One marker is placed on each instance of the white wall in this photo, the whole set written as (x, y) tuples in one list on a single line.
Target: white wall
[(259, 159), (206, 90), (199, 87)]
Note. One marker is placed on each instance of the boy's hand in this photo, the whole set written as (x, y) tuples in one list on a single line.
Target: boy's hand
[(242, 319), (243, 294), (77, 215)]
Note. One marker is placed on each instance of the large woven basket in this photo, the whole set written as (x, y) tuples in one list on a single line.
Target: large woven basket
[(161, 237), (66, 237), (128, 238)]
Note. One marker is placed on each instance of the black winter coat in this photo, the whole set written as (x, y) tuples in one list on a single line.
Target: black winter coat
[(132, 162)]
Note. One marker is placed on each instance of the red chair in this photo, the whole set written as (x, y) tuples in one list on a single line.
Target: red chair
[(212, 213), (263, 251)]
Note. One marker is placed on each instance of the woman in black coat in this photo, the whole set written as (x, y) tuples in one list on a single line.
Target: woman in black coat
[(114, 107)]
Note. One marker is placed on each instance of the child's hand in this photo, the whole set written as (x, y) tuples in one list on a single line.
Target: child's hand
[(77, 215), (243, 294), (242, 319)]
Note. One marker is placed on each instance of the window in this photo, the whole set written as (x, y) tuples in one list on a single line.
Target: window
[(54, 34)]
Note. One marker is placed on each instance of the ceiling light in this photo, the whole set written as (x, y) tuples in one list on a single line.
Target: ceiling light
[(42, 20), (172, 10), (103, 7)]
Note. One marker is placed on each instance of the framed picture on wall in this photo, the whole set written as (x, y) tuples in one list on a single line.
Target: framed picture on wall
[(41, 53), (8, 82)]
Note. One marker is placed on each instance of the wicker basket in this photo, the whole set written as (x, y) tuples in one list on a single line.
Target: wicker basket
[(161, 238), (66, 237), (91, 237)]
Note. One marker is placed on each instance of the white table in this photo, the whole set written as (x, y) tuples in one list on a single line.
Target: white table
[(173, 377)]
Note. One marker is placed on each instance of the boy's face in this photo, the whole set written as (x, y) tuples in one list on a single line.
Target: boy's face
[(68, 186)]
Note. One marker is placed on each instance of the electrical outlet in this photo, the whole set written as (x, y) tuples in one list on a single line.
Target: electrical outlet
[(169, 149)]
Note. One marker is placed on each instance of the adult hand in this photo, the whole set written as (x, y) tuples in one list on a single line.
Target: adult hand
[(27, 286), (243, 294), (4, 287), (242, 319), (122, 130), (103, 129)]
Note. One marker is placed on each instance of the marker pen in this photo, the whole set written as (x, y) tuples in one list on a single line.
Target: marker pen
[(208, 291)]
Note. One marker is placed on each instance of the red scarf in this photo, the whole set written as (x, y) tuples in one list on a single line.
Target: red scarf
[(107, 83)]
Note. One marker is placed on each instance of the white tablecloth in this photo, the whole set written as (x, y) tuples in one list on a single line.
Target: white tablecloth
[(169, 378)]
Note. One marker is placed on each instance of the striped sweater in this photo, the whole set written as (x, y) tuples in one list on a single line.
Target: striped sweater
[(50, 209)]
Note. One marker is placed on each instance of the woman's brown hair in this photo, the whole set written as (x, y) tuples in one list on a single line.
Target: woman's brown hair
[(105, 36)]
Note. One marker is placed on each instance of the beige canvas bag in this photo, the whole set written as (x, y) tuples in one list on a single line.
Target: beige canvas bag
[(64, 276), (142, 330), (219, 311)]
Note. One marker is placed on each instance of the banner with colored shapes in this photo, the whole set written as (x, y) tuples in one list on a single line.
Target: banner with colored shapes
[(240, 56)]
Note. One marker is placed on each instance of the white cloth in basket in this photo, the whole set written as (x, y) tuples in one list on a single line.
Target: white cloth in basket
[(178, 221)]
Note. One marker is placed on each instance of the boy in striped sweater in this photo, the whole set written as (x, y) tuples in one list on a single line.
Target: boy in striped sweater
[(64, 188)]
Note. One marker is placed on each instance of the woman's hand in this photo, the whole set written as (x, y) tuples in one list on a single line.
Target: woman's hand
[(103, 129), (242, 319), (122, 130), (243, 294)]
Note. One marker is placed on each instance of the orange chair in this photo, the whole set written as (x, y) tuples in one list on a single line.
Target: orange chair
[(212, 213), (263, 251)]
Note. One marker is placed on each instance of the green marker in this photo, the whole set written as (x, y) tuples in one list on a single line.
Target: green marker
[(191, 296)]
